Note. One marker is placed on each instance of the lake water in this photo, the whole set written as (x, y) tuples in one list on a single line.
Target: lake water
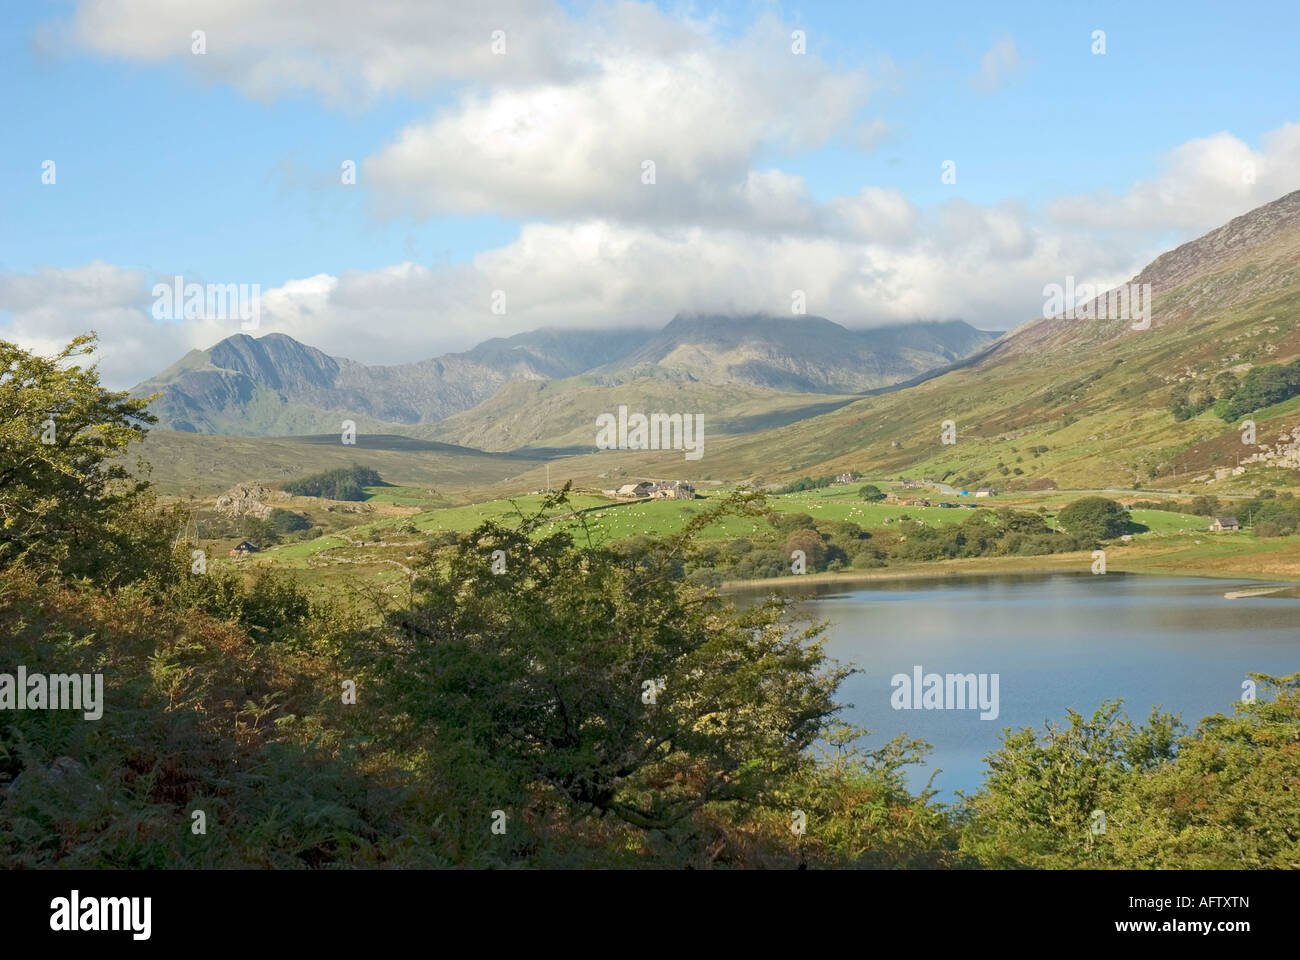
[(1055, 641)]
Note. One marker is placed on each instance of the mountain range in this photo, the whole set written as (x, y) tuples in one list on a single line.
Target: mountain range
[(1083, 402), (276, 386)]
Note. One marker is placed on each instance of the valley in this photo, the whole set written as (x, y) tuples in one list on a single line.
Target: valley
[(1058, 409)]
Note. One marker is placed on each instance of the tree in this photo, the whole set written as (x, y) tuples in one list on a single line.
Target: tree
[(67, 500), (597, 675), (871, 493), (1038, 806), (810, 542), (345, 483), (1095, 518), (790, 522)]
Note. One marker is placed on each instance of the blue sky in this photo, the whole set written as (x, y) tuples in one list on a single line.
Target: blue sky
[(169, 163)]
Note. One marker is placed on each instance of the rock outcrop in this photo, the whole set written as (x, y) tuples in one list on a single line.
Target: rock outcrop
[(247, 500)]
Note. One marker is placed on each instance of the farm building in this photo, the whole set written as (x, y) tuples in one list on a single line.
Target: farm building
[(1223, 523), (658, 490), (673, 490)]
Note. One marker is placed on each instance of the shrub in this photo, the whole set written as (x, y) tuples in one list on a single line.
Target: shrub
[(283, 522), (534, 680), (1094, 517), (810, 542), (789, 522)]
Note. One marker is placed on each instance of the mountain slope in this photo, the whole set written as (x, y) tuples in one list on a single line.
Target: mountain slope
[(562, 413), (796, 354), (188, 464), (1082, 403), (276, 386)]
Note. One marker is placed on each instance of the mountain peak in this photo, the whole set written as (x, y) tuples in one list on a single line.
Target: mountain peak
[(797, 354), (275, 385)]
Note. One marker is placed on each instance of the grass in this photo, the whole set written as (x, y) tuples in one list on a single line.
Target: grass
[(614, 520), (201, 465), (376, 552), (562, 413), (425, 498)]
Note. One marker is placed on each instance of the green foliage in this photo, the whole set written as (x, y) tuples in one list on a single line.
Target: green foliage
[(284, 522), (871, 493), (1221, 797), (790, 522), (1270, 518), (810, 542), (67, 500), (806, 483), (348, 483), (523, 691), (1189, 398), (267, 606), (860, 813), (1037, 805), (538, 673), (1095, 518), (195, 717), (835, 545), (1261, 387)]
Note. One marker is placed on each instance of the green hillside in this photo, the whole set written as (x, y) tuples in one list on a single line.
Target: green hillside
[(562, 413), (1068, 403), (203, 465)]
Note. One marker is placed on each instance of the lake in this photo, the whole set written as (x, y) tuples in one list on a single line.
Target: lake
[(1053, 641)]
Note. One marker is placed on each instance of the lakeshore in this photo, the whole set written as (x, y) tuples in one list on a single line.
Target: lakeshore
[(1279, 561)]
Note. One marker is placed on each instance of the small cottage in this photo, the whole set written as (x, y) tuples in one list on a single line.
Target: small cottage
[(1221, 524), (244, 548)]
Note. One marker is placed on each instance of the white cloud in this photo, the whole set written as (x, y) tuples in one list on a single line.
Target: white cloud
[(589, 274), (1200, 185), (698, 109), (51, 305), (999, 63), (559, 126), (341, 50), (870, 134), (877, 259)]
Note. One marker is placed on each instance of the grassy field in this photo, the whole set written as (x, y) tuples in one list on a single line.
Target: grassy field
[(423, 498), (200, 465), (380, 551)]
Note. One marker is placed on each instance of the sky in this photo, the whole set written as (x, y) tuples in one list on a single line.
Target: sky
[(889, 162)]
